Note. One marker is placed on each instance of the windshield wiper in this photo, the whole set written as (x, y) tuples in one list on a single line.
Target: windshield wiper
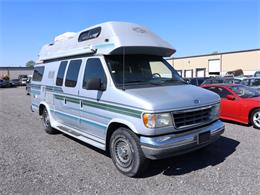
[(133, 82), (174, 80)]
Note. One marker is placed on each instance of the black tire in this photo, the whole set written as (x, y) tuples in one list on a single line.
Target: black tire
[(126, 152), (255, 118), (46, 122)]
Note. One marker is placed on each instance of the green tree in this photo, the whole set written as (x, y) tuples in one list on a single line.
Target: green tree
[(30, 63)]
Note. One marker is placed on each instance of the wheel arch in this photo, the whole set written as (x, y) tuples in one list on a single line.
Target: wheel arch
[(250, 113), (114, 125)]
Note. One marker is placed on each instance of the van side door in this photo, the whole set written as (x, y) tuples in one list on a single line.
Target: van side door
[(67, 103), (93, 121)]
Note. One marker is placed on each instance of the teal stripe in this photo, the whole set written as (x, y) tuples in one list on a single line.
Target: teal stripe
[(81, 119), (94, 114), (35, 92)]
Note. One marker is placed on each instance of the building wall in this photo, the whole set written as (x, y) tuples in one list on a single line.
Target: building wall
[(14, 72), (248, 61)]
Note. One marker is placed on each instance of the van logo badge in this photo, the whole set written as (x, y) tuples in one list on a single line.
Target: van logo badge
[(196, 101), (139, 30)]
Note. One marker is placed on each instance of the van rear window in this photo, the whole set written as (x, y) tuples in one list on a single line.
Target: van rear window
[(90, 34), (72, 73), (38, 73), (61, 71)]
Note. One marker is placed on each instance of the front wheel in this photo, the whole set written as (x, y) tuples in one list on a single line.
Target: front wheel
[(46, 122), (255, 118), (126, 152)]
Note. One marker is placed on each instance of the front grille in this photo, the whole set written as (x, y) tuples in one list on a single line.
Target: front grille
[(190, 118)]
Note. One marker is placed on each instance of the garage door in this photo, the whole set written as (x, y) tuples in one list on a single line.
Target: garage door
[(214, 66), (200, 72), (188, 73)]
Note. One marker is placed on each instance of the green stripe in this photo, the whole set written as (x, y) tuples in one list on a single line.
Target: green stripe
[(73, 100), (59, 97), (111, 108)]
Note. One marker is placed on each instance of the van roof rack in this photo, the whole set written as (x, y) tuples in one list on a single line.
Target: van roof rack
[(109, 38)]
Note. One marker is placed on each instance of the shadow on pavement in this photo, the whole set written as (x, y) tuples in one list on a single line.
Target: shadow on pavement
[(212, 155), (235, 123)]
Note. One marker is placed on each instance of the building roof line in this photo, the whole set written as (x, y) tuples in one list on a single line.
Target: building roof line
[(15, 68), (214, 54)]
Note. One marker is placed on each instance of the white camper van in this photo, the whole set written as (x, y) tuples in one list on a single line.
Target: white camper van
[(110, 87)]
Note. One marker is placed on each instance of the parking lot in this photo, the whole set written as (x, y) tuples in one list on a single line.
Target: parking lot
[(32, 161)]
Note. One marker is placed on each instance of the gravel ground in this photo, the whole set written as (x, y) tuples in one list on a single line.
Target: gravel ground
[(34, 162)]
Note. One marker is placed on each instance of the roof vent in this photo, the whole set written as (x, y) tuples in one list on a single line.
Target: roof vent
[(65, 36)]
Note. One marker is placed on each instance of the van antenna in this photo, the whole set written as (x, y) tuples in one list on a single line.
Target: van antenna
[(123, 69)]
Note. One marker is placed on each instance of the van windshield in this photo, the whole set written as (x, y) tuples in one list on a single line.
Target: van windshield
[(142, 71)]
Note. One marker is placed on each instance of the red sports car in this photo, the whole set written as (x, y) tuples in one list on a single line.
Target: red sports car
[(238, 103)]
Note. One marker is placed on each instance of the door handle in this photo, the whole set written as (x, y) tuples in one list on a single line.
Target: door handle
[(81, 104)]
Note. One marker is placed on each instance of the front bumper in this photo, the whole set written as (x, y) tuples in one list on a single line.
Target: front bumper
[(179, 143)]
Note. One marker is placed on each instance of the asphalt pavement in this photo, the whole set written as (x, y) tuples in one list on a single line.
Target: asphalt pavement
[(33, 162)]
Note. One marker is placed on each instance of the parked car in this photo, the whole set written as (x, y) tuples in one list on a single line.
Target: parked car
[(257, 74), (238, 103), (253, 82), (15, 82), (23, 79), (4, 83), (216, 80), (195, 81)]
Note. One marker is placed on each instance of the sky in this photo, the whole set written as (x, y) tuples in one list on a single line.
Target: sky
[(191, 27)]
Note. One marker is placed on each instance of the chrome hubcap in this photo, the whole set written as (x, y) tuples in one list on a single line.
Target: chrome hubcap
[(123, 152), (256, 119)]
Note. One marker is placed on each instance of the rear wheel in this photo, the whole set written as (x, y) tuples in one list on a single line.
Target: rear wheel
[(126, 152), (255, 118), (46, 122)]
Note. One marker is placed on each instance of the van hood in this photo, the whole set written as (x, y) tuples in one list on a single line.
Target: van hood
[(173, 97)]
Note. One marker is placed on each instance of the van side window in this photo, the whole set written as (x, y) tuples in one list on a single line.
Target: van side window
[(61, 71), (38, 73), (94, 69), (72, 73)]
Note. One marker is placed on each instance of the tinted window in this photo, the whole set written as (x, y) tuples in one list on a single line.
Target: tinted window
[(257, 74), (237, 81), (245, 82), (72, 73), (38, 73), (255, 82), (94, 69), (217, 81), (222, 92), (61, 71), (245, 92), (90, 34)]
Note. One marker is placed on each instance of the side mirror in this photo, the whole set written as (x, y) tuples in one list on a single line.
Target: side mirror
[(94, 84), (231, 97)]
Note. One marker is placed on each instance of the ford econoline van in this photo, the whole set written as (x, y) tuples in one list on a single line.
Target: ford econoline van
[(110, 86)]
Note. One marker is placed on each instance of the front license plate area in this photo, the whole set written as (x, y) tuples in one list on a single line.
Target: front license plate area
[(203, 137)]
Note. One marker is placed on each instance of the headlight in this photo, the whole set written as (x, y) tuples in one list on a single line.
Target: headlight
[(215, 111), (157, 120)]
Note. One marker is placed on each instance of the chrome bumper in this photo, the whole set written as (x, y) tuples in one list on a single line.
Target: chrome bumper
[(180, 143)]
